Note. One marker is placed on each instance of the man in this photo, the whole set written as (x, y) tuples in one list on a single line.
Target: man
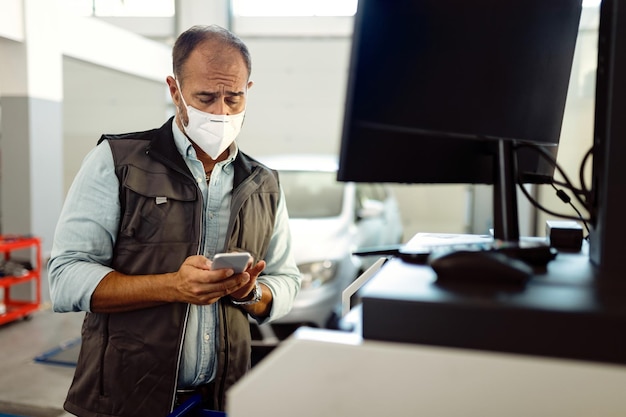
[(144, 215)]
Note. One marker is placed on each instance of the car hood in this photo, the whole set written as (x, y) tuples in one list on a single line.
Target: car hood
[(319, 239)]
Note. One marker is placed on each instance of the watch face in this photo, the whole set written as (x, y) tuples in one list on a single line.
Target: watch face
[(258, 293)]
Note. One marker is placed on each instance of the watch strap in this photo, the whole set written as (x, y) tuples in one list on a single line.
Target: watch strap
[(255, 296)]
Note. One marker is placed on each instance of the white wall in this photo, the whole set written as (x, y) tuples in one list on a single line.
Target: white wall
[(296, 102), (101, 100), (113, 82), (12, 20)]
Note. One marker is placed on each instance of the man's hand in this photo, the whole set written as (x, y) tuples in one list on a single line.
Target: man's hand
[(253, 272), (194, 283), (199, 284)]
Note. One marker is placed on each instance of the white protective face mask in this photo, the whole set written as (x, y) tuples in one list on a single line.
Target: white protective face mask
[(213, 133)]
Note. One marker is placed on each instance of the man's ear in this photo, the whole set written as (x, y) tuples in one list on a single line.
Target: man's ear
[(173, 88)]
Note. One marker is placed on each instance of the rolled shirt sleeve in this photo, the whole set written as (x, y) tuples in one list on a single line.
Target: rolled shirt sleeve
[(85, 233), (281, 275)]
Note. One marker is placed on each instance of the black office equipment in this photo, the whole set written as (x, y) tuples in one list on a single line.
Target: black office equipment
[(489, 267), (571, 309), (441, 91)]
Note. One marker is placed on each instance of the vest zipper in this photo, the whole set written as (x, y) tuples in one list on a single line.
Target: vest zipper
[(222, 383), (184, 331), (179, 355)]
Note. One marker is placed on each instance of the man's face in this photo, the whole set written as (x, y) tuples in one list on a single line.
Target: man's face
[(214, 80)]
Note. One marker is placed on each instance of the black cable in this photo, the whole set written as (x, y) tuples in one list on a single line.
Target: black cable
[(565, 198), (548, 211), (581, 172), (578, 192), (568, 183)]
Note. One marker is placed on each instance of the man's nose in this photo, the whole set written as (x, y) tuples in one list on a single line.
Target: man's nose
[(219, 107)]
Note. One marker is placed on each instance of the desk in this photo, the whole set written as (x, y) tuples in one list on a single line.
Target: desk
[(567, 311), (555, 349)]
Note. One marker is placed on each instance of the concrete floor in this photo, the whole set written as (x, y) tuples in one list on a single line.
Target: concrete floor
[(29, 388)]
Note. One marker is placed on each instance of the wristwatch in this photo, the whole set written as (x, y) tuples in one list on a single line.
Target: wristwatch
[(254, 296)]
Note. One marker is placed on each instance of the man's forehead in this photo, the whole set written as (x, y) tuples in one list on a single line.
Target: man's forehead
[(214, 80)]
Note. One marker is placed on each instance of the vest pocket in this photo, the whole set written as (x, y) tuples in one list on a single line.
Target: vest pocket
[(157, 207)]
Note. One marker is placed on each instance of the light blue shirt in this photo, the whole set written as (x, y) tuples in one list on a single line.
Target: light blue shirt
[(86, 233)]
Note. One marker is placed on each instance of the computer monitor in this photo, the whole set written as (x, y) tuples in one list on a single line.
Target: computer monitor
[(444, 91)]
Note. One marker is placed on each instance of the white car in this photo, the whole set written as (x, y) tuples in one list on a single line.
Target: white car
[(329, 221)]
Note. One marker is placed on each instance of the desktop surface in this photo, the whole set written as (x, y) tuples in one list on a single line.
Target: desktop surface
[(564, 310)]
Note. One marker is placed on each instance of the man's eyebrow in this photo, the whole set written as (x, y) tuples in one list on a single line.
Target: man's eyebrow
[(217, 94)]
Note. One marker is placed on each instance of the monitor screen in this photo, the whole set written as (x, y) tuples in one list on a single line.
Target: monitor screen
[(435, 84)]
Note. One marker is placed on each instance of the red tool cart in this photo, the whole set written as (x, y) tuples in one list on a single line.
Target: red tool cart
[(20, 278)]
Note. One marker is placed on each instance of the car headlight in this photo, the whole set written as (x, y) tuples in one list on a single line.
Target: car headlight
[(316, 274)]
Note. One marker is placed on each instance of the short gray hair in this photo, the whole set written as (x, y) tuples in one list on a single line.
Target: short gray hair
[(189, 40)]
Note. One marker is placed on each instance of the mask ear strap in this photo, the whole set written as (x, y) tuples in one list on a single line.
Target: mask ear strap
[(180, 91), (178, 110)]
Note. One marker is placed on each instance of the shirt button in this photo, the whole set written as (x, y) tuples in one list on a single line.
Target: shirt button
[(199, 180), (206, 337), (210, 215)]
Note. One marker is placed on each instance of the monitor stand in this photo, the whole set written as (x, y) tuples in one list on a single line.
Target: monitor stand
[(506, 237), (505, 216)]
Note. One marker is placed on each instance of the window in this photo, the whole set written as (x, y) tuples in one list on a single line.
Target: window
[(293, 18), (294, 8), (147, 8)]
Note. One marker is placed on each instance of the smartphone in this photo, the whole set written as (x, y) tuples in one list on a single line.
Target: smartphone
[(237, 261)]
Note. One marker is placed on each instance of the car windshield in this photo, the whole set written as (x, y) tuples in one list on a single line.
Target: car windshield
[(312, 194)]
